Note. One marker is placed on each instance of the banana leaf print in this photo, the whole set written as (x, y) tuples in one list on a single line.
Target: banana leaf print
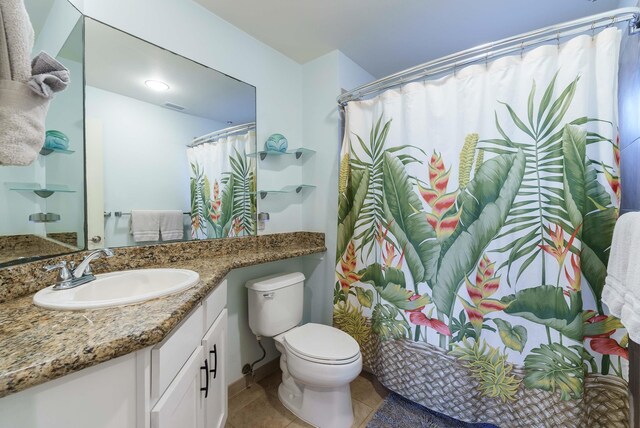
[(408, 223), (588, 204), (350, 202), (485, 203)]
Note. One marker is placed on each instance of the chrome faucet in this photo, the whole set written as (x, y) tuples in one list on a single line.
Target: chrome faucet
[(71, 277), (84, 268)]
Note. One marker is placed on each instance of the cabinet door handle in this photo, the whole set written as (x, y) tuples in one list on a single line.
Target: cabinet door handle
[(214, 370), (206, 372)]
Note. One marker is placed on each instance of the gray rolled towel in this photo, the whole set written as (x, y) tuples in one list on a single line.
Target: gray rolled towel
[(48, 75), (22, 118), (18, 36)]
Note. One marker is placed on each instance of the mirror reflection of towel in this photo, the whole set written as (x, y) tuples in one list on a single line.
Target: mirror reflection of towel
[(145, 225), (171, 225)]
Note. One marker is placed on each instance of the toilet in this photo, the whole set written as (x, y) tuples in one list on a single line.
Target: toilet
[(318, 362)]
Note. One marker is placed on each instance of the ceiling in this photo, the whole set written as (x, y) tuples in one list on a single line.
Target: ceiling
[(385, 36), (118, 62)]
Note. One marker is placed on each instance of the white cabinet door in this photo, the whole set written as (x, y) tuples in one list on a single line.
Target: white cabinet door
[(214, 344), (182, 404)]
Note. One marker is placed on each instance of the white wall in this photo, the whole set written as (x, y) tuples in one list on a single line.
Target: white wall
[(323, 80), (145, 157)]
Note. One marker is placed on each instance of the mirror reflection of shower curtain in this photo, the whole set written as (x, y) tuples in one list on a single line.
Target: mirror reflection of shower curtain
[(222, 181), (476, 215)]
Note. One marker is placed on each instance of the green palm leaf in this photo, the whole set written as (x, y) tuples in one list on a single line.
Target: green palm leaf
[(243, 204), (372, 213), (540, 199)]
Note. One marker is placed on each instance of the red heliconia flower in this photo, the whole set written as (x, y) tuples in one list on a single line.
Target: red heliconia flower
[(614, 182), (595, 318), (419, 318), (348, 265), (558, 249), (382, 235), (608, 346), (443, 217), (574, 282), (215, 204), (485, 286), (237, 226), (411, 299), (390, 254)]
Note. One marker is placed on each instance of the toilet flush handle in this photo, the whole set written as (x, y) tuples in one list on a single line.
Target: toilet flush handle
[(269, 296)]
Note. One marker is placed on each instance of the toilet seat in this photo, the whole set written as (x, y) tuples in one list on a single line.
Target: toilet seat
[(321, 344)]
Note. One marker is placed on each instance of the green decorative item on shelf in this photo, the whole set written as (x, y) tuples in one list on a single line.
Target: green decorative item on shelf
[(56, 140), (276, 143)]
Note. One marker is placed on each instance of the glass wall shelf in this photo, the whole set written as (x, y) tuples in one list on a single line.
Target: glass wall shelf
[(47, 151), (297, 188), (297, 152), (43, 192)]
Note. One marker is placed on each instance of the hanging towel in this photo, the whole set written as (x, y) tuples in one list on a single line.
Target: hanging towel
[(25, 87), (22, 117), (18, 36), (48, 75), (621, 292), (171, 225), (145, 225)]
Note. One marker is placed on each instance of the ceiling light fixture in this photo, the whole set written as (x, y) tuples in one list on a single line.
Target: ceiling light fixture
[(156, 85)]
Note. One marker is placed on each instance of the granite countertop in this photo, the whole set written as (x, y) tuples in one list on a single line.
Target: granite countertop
[(38, 345)]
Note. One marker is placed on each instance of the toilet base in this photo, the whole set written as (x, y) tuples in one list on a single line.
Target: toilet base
[(320, 407)]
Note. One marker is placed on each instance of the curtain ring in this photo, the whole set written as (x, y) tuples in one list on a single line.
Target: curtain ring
[(593, 30), (455, 69), (486, 61), (613, 21), (521, 50), (558, 39)]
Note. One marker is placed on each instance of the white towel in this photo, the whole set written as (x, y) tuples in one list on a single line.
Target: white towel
[(621, 291), (18, 37), (171, 225), (145, 225)]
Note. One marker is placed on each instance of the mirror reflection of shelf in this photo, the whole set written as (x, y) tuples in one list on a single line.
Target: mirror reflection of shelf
[(299, 152), (43, 192), (297, 188), (44, 218), (47, 151)]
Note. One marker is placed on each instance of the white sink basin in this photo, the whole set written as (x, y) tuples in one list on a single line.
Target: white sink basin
[(118, 288)]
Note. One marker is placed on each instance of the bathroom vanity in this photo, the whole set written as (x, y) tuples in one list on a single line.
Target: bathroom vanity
[(159, 363)]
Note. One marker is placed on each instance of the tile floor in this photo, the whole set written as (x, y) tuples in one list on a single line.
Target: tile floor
[(259, 406)]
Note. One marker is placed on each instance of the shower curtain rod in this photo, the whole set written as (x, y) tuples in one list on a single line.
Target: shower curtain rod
[(222, 133), (495, 49)]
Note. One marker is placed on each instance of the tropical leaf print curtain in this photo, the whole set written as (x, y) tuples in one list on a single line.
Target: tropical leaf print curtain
[(476, 214), (223, 182)]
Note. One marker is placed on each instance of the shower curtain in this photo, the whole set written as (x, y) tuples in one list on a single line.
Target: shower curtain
[(476, 213), (223, 183)]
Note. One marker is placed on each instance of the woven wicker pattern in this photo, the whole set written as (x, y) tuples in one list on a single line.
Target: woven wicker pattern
[(427, 375)]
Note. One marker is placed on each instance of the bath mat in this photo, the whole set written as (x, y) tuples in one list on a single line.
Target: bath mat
[(398, 412)]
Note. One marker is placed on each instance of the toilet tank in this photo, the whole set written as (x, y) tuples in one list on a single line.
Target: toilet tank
[(275, 303)]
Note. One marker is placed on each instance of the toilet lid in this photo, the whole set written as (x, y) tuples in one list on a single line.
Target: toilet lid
[(321, 342)]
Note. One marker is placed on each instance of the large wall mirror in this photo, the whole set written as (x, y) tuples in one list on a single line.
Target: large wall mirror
[(151, 147), (170, 145), (42, 205)]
